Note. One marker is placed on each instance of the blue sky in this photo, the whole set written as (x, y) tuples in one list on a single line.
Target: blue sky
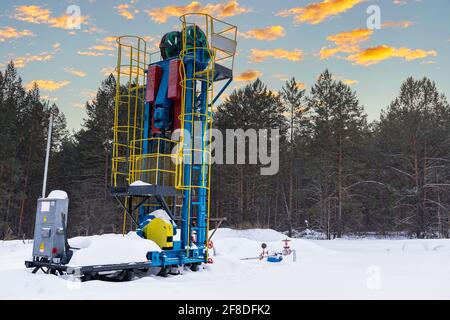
[(309, 37)]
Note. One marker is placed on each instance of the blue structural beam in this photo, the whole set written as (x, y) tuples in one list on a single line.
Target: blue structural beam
[(187, 160)]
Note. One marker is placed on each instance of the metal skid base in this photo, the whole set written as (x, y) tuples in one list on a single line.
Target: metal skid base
[(107, 272)]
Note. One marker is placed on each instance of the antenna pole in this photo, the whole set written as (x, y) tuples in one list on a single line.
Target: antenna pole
[(47, 156)]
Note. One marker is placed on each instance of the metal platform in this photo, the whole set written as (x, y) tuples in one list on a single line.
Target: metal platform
[(220, 73), (144, 193)]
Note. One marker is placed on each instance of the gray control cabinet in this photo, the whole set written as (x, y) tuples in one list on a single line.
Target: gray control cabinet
[(51, 223)]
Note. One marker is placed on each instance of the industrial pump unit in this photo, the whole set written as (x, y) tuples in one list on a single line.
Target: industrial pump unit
[(161, 146)]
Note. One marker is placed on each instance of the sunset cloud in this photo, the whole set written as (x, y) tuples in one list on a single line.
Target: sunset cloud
[(75, 72), (105, 44), (346, 42), (349, 44), (350, 81), (268, 34), (300, 85), (258, 55), (220, 10), (47, 85), (124, 11), (39, 15), (317, 12), (32, 14), (351, 38), (91, 53), (375, 55), (8, 33), (397, 24), (23, 61), (248, 75), (110, 39), (102, 48)]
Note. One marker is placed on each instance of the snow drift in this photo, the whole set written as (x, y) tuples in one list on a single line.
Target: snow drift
[(111, 249)]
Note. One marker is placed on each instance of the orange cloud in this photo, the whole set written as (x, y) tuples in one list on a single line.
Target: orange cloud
[(36, 14), (91, 53), (221, 10), (258, 55), (22, 61), (32, 14), (248, 75), (75, 72), (351, 38), (399, 24), (8, 33), (346, 81), (315, 13), (350, 81), (110, 39), (47, 85), (300, 85), (106, 44), (102, 48), (124, 11), (375, 55), (269, 34), (346, 42)]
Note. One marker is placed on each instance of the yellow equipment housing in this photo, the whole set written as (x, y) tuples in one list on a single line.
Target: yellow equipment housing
[(160, 232)]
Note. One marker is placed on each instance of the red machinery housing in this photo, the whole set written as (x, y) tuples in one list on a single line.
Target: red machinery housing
[(164, 91)]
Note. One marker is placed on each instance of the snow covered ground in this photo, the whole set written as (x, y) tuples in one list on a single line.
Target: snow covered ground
[(338, 269)]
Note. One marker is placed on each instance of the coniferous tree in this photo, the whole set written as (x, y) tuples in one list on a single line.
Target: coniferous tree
[(292, 96), (338, 124), (413, 136)]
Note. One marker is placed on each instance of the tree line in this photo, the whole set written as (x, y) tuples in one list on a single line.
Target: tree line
[(339, 173)]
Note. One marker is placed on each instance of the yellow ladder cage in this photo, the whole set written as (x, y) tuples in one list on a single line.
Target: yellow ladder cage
[(215, 31), (129, 106)]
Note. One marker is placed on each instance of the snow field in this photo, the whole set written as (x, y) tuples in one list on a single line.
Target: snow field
[(337, 269)]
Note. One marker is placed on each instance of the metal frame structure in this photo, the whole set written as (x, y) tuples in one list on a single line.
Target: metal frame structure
[(177, 182)]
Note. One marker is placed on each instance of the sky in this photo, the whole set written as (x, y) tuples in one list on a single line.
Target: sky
[(372, 45)]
